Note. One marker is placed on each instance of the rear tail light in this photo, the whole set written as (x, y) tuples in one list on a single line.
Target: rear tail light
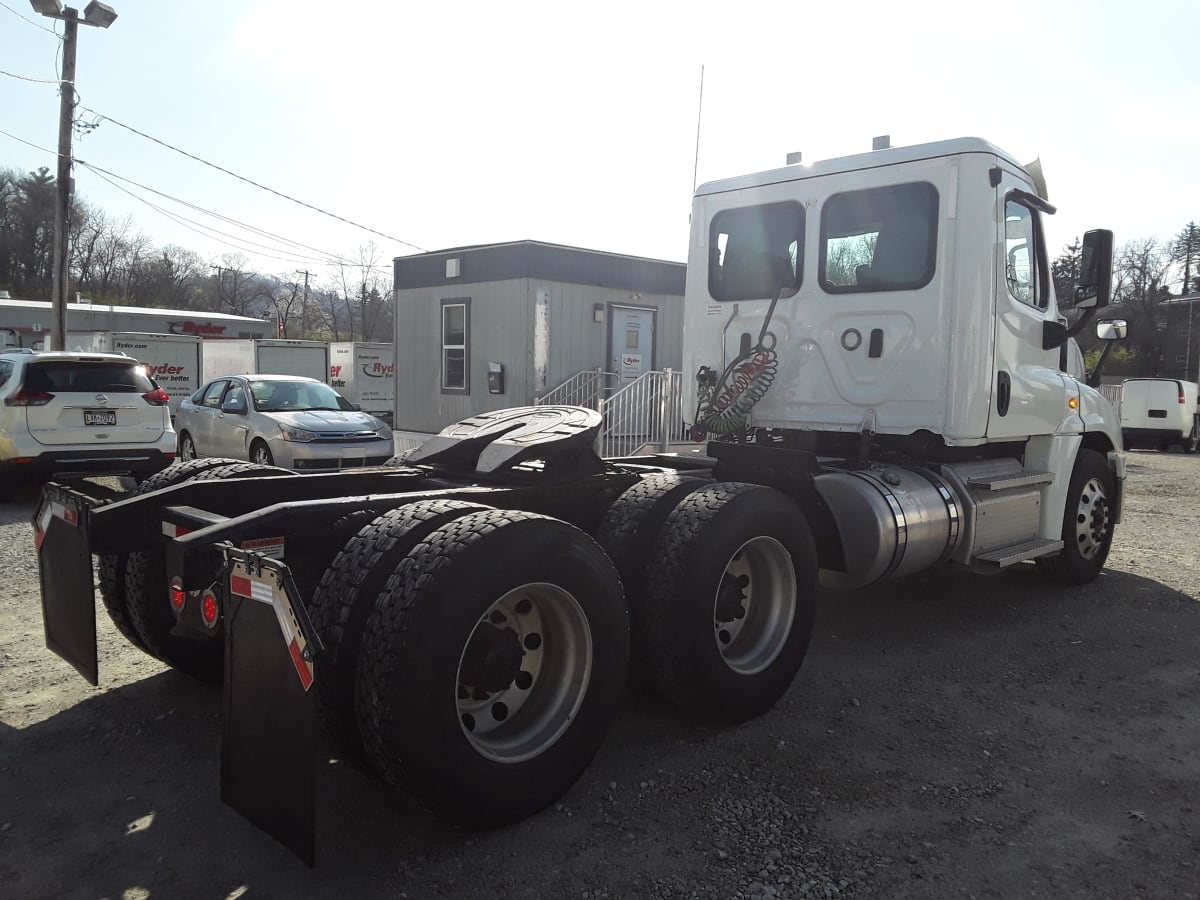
[(178, 597), (210, 609), (156, 397), (1182, 399), (26, 397)]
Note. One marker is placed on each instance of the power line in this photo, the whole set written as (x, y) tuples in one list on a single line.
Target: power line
[(251, 181), (35, 80), (30, 21), (325, 257), (205, 230)]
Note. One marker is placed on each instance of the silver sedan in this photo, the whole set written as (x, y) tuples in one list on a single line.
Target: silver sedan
[(281, 420)]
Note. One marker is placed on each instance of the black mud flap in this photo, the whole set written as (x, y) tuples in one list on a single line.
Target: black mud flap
[(269, 722), (60, 534)]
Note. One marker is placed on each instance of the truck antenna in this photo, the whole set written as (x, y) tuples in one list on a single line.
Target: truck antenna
[(699, 116)]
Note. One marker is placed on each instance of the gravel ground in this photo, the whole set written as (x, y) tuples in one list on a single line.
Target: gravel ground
[(949, 736)]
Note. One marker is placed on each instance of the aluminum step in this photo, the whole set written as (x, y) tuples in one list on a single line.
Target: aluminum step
[(1007, 556), (1003, 482)]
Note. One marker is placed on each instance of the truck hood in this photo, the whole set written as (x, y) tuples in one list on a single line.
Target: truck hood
[(327, 420)]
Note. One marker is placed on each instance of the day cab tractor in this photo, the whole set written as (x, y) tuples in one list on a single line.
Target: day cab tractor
[(881, 382)]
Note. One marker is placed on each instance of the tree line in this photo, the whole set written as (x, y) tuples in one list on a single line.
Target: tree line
[(112, 261)]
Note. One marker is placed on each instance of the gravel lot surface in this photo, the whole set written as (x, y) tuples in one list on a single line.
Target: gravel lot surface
[(949, 736)]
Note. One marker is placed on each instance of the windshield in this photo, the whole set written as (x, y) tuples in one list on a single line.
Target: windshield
[(296, 396)]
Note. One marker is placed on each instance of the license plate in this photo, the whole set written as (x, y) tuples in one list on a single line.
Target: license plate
[(99, 417)]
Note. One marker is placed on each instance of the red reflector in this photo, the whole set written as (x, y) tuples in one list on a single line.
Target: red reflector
[(22, 459), (26, 397), (156, 397), (178, 597), (209, 609)]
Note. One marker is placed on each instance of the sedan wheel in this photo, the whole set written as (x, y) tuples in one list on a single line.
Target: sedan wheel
[(187, 448), (260, 453)]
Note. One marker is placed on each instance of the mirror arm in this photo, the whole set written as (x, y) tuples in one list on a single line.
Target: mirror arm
[(1034, 201), (1083, 320), (1093, 378)]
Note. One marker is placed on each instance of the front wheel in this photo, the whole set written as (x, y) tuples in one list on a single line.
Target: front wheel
[(1087, 530), (260, 454)]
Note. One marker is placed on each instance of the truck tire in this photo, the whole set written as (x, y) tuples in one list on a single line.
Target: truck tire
[(631, 524), (493, 665), (111, 566), (1191, 443), (345, 597), (627, 534), (1087, 530), (729, 612), (149, 609)]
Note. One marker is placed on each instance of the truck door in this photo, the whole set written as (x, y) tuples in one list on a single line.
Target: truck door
[(1028, 390)]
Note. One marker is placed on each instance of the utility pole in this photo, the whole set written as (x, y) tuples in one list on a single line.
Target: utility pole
[(62, 194), (101, 16), (304, 304)]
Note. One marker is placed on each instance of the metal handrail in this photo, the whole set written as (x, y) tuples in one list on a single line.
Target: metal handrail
[(647, 412), (587, 388)]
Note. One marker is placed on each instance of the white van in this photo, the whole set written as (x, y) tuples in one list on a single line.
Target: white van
[(1159, 413)]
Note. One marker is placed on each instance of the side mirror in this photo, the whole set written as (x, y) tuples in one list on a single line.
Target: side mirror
[(1112, 330), (234, 407), (1095, 270)]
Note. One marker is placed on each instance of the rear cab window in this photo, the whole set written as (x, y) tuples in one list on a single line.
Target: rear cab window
[(83, 376), (879, 239), (756, 250)]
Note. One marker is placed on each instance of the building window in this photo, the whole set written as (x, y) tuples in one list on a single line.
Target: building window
[(880, 239), (456, 345)]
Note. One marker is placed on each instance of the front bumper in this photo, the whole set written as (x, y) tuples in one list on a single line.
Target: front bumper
[(322, 456)]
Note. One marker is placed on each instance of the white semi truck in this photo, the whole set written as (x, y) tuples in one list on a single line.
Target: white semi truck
[(878, 369)]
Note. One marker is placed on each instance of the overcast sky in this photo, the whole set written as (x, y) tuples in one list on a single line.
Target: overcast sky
[(445, 124)]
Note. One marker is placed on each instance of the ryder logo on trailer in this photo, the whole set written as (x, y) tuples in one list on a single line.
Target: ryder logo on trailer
[(379, 370)]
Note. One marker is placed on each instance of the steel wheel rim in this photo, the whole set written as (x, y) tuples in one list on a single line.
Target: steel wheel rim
[(755, 605), (510, 720), (1091, 519)]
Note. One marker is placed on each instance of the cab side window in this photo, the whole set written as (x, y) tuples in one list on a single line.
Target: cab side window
[(1025, 267), (6, 369)]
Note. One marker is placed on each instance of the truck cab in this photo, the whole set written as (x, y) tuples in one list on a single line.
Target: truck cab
[(916, 298), (894, 305)]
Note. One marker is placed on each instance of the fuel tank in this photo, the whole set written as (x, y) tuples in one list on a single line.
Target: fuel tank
[(893, 521)]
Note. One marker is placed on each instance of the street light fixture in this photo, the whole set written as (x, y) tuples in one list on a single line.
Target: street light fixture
[(100, 15)]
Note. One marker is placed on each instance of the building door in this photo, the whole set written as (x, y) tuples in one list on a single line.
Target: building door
[(630, 342)]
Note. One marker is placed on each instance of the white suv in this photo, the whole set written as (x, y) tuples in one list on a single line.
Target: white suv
[(80, 414)]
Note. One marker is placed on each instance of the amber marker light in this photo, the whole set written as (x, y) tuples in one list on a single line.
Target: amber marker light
[(1073, 403)]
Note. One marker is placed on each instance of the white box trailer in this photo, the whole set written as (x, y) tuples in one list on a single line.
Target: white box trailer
[(268, 357), (365, 374), (172, 359)]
